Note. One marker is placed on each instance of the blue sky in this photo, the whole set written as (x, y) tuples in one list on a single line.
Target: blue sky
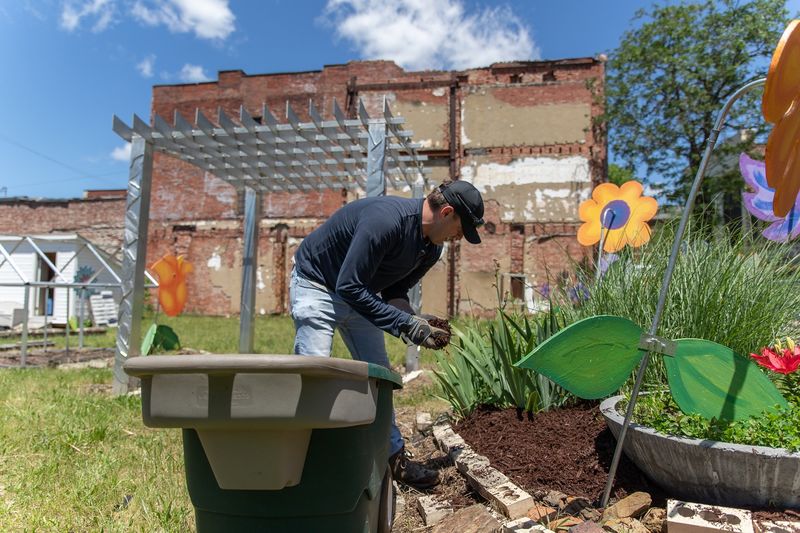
[(69, 65)]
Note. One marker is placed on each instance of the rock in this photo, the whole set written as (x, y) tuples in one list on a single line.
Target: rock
[(539, 513), (770, 526), (586, 527), (424, 423), (575, 505), (555, 499), (634, 506), (472, 519), (433, 510), (591, 514), (655, 520), (524, 525), (399, 500), (625, 525), (564, 523)]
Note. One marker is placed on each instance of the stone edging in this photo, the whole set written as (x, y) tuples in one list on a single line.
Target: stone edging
[(493, 485)]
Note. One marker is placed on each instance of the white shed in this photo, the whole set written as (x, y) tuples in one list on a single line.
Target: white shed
[(52, 269)]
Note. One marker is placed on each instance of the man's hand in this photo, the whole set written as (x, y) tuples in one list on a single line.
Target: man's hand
[(421, 333)]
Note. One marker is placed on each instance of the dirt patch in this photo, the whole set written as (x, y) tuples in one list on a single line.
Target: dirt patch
[(568, 450), (51, 358)]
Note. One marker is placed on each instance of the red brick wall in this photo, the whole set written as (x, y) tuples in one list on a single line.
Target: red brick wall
[(99, 220), (199, 215)]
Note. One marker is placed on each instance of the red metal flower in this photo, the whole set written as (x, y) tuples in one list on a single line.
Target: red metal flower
[(783, 361)]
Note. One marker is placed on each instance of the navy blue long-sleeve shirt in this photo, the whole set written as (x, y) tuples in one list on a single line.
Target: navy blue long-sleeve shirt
[(370, 246)]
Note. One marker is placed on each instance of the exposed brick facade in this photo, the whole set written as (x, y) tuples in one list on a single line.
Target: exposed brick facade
[(524, 133)]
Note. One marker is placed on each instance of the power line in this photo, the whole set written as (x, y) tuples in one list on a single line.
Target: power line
[(84, 175)]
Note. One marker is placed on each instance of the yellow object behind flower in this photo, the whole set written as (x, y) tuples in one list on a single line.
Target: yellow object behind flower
[(625, 212)]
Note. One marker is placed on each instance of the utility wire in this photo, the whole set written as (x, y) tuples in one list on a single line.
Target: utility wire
[(84, 175)]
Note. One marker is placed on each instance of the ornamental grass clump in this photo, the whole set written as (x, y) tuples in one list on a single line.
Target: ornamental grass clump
[(725, 288)]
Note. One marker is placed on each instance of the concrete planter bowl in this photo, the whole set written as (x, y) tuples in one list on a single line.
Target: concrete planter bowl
[(708, 471)]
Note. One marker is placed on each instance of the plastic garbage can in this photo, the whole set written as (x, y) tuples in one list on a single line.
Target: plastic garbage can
[(277, 442)]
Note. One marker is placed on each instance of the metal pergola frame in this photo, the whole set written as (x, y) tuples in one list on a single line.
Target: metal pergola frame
[(257, 156), (108, 263)]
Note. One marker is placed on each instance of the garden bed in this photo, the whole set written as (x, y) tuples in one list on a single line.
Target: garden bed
[(568, 450)]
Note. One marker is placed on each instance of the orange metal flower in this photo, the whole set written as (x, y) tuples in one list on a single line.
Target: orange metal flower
[(783, 78), (781, 106), (172, 273), (622, 212)]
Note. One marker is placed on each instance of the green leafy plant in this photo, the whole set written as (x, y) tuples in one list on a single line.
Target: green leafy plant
[(160, 337), (777, 429), (480, 367)]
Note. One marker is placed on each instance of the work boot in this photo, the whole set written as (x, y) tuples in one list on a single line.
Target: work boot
[(412, 473)]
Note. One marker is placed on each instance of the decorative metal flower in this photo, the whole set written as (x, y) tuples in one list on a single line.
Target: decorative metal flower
[(172, 273), (781, 106), (759, 202), (622, 212), (783, 361)]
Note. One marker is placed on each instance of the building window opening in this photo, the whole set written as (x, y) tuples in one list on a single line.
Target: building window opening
[(45, 297)]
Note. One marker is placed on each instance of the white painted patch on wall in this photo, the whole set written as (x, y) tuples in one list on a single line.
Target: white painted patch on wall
[(439, 91), (573, 169), (259, 280), (464, 139), (215, 261), (424, 143)]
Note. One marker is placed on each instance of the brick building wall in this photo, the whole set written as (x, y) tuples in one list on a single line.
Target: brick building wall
[(523, 133)]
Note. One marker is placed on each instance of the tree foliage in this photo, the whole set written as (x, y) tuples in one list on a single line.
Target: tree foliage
[(670, 76)]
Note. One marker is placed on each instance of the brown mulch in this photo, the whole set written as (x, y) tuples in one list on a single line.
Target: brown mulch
[(443, 340), (567, 449)]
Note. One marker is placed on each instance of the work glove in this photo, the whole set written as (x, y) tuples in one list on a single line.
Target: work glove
[(421, 333)]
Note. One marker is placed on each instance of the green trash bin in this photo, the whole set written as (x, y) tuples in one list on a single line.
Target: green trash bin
[(277, 443)]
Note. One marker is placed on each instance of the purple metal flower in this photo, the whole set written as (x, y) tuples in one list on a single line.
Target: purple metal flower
[(759, 202)]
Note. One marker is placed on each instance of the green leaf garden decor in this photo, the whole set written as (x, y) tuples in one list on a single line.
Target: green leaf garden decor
[(594, 357)]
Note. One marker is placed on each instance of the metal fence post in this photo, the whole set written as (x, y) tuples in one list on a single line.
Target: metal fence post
[(23, 359), (80, 318), (247, 311), (137, 214)]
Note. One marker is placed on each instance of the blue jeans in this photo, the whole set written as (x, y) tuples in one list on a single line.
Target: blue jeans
[(317, 313)]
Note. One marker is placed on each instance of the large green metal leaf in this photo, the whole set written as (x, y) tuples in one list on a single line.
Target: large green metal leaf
[(591, 358), (709, 379)]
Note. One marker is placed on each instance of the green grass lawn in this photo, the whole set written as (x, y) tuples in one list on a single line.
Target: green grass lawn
[(273, 335), (73, 458), (70, 458)]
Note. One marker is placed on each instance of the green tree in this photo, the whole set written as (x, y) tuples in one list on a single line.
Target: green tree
[(669, 78), (619, 175)]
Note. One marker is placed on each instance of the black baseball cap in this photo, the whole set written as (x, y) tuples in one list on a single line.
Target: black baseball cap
[(467, 202)]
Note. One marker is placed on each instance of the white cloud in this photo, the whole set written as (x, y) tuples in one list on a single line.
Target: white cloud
[(193, 74), (431, 34), (145, 66), (208, 19), (122, 153), (100, 11)]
